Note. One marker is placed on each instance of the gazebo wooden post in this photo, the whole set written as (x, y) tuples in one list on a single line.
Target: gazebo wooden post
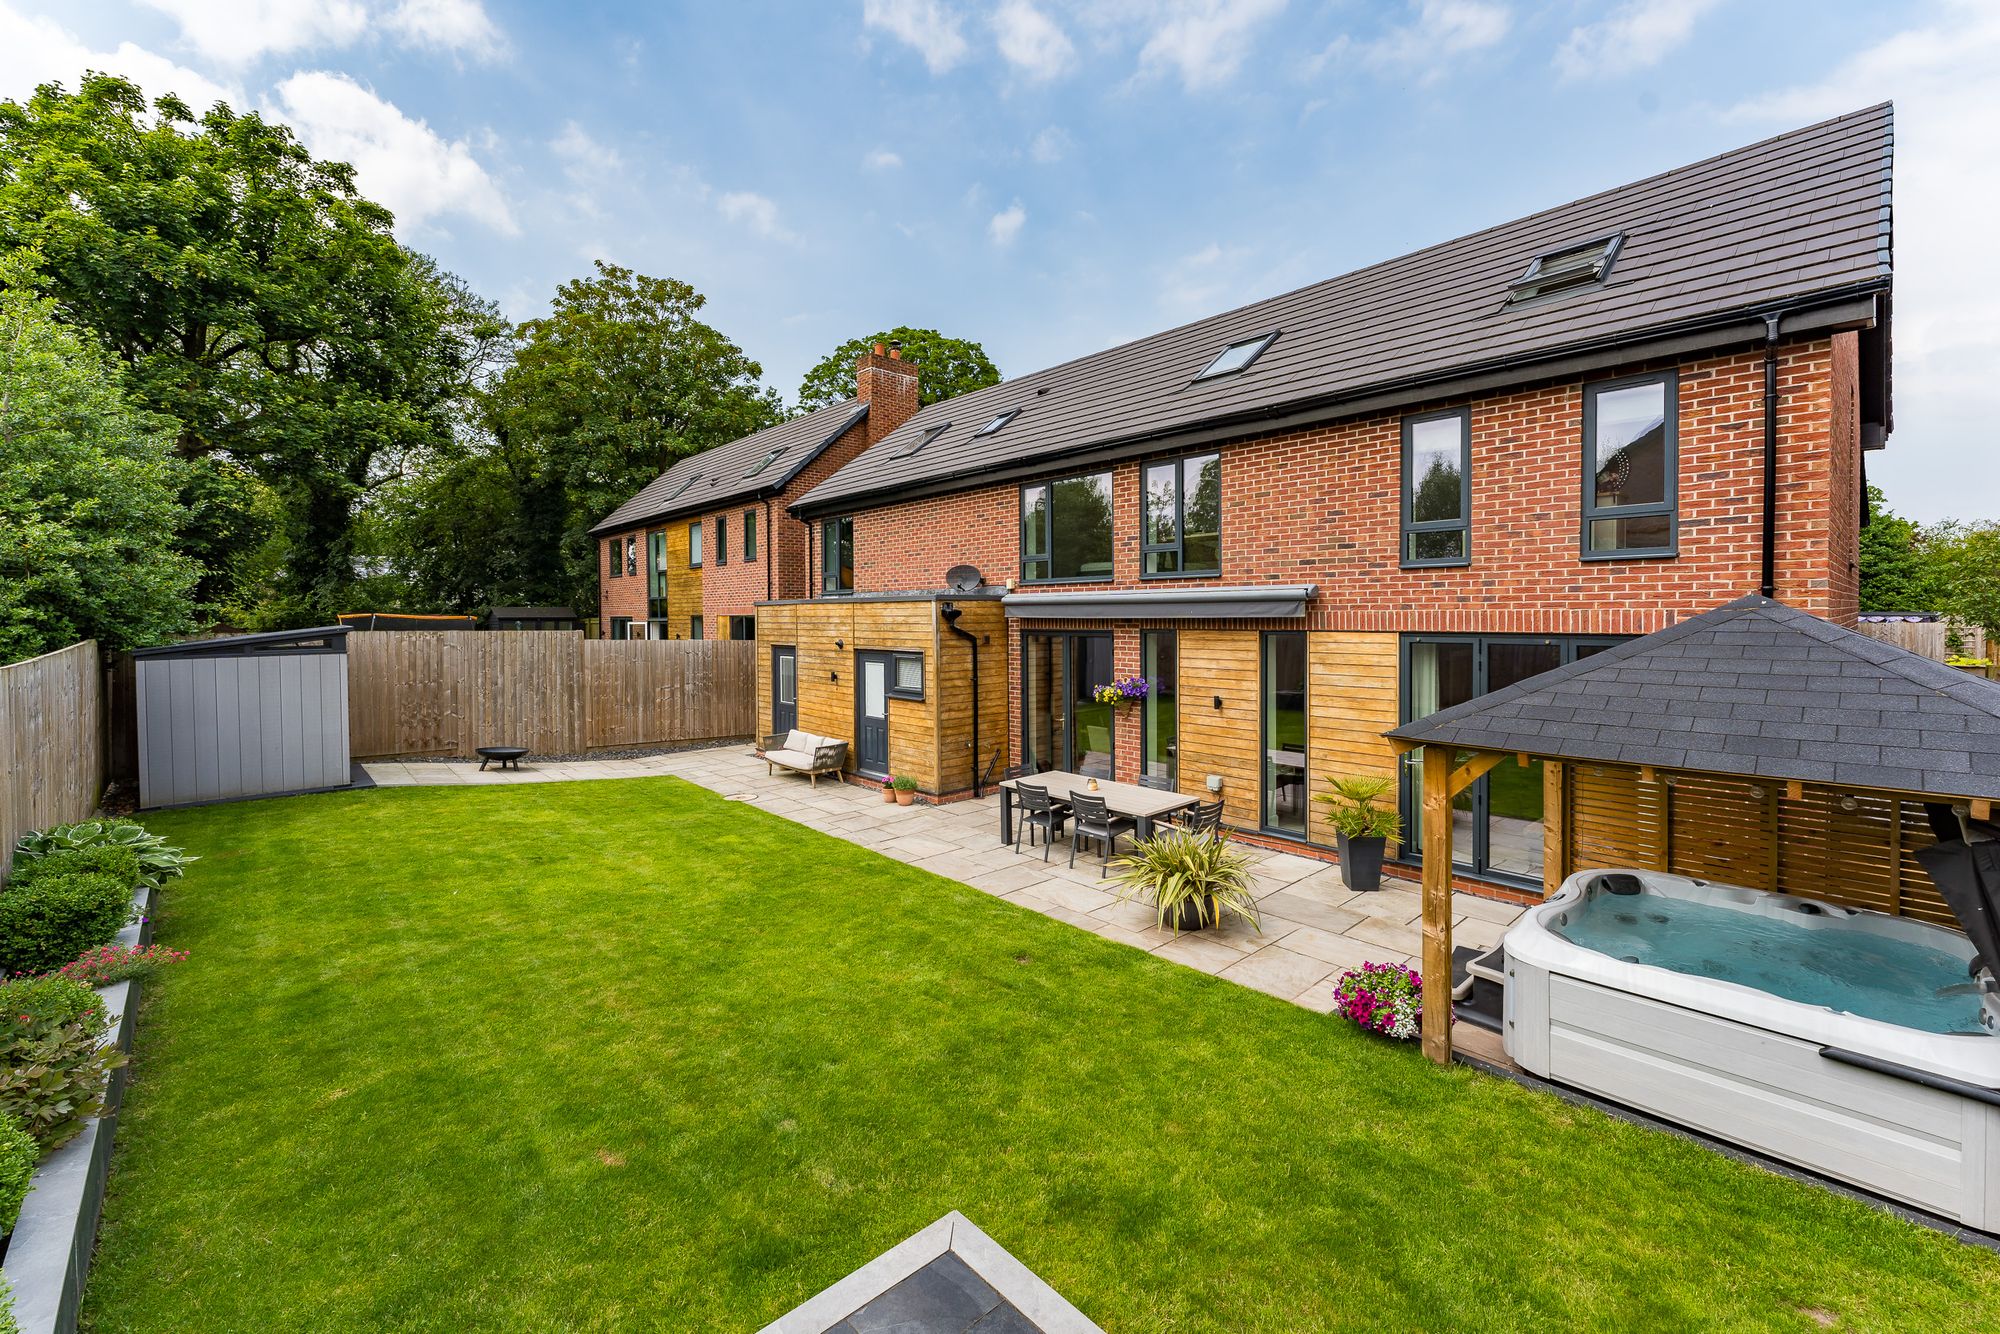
[(1437, 903)]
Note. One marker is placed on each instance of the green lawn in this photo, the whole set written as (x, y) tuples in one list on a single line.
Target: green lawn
[(625, 1055)]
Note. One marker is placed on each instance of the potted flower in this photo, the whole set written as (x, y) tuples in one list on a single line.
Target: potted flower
[(1192, 878), (1362, 829), (1129, 690), (888, 794), (905, 788), (1384, 998)]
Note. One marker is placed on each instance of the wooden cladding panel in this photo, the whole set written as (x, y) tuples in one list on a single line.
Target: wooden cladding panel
[(448, 692), (951, 688), (1742, 832), (51, 724), (683, 581), (1351, 692), (827, 635), (1225, 741)]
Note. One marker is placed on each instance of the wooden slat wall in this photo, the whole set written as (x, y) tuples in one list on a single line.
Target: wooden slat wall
[(952, 691), (447, 692), (51, 742), (1743, 832), (1351, 680), (1222, 741)]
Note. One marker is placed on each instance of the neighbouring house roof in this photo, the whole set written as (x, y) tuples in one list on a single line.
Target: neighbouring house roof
[(1753, 688), (728, 473), (1798, 223)]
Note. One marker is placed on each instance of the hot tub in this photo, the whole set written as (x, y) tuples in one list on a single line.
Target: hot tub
[(1852, 1043)]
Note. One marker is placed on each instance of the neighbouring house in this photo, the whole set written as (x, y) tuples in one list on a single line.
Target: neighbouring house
[(1308, 520), (693, 553)]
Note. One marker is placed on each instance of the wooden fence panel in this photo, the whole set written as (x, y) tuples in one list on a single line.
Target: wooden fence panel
[(1925, 637), (51, 741), (447, 692)]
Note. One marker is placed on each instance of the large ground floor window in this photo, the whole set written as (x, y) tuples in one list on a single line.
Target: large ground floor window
[(1497, 822), (1283, 706), (1063, 725)]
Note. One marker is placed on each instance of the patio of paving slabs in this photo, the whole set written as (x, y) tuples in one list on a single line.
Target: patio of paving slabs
[(1314, 927)]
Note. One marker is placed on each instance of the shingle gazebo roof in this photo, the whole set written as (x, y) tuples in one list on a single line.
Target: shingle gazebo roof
[(1755, 688)]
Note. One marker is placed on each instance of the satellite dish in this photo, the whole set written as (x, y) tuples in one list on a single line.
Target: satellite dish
[(963, 578)]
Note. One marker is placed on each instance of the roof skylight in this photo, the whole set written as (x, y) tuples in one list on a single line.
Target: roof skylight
[(924, 439), (766, 461), (681, 490), (1561, 270), (1238, 356), (999, 420)]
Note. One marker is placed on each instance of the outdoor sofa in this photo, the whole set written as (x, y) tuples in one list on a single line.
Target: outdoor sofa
[(806, 753)]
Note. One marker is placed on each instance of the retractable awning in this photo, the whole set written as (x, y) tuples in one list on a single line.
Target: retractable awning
[(1263, 602)]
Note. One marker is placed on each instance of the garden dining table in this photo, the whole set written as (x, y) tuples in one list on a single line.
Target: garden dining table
[(1141, 805)]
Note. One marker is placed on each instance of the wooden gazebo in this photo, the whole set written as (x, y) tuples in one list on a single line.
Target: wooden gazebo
[(1752, 744)]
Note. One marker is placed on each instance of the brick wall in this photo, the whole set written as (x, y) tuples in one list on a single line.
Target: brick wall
[(1321, 506), (625, 595)]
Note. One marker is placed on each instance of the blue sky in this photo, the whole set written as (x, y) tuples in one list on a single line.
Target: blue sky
[(1051, 178)]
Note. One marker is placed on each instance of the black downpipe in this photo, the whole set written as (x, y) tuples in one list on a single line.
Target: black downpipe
[(1769, 587), (951, 615)]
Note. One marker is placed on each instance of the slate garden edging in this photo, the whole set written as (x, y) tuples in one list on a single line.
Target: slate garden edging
[(48, 1255)]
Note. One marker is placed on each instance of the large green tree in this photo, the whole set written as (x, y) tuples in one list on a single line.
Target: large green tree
[(947, 367), (1900, 570), (258, 300), (621, 378), (88, 514)]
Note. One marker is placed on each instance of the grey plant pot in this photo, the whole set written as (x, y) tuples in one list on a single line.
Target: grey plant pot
[(1360, 861)]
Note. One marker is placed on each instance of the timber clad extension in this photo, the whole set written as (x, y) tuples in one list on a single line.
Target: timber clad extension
[(1311, 570)]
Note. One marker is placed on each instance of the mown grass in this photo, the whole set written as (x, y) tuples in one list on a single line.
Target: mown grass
[(626, 1056)]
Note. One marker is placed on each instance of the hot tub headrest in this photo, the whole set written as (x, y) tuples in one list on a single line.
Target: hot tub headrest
[(1618, 882)]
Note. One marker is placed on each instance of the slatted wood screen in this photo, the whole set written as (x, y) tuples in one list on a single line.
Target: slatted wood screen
[(51, 742), (448, 692), (1743, 832)]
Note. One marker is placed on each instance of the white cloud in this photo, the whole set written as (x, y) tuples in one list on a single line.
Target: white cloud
[(923, 24), (1201, 280), (236, 32), (582, 155), (1006, 224), (1440, 29), (447, 25), (401, 163), (1633, 36), (1203, 41), (754, 211), (1051, 145), (882, 159), (36, 50), (1031, 41), (1945, 78)]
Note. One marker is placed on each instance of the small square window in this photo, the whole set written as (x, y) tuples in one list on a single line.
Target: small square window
[(1238, 356), (999, 421), (907, 676)]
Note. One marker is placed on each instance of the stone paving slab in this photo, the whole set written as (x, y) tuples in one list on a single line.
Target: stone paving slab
[(1315, 927)]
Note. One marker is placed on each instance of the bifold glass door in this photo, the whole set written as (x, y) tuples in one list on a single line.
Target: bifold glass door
[(1063, 724), (1285, 799)]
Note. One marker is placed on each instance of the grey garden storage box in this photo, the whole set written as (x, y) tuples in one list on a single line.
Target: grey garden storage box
[(242, 716)]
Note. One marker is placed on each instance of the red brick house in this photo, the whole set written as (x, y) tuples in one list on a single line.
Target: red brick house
[(693, 553), (1309, 519)]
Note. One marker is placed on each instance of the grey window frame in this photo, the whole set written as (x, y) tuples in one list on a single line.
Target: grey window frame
[(1048, 554), (896, 660), (694, 627), (722, 539), (1527, 290), (615, 562), (1459, 525), (997, 423), (621, 627), (695, 552), (1671, 471), (1263, 342), (1179, 545), (828, 568), (930, 433), (749, 535)]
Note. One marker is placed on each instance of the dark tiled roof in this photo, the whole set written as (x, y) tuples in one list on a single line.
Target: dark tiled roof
[(722, 470), (1756, 688), (1799, 216)]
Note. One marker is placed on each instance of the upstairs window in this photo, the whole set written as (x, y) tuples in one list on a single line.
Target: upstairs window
[(999, 422), (1238, 356), (1066, 529), (1180, 517), (632, 554), (749, 534), (837, 556), (722, 539), (1560, 270), (1437, 488), (1630, 463), (694, 545), (765, 462), (614, 557)]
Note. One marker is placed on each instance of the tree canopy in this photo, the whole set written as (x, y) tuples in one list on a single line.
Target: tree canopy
[(88, 514), (257, 300), (1898, 571), (946, 367)]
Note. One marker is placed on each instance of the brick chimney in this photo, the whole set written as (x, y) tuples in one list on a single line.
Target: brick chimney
[(888, 385)]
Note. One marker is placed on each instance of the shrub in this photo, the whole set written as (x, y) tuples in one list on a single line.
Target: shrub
[(53, 1070), (157, 861), (51, 916), (1384, 998), (1182, 869), (106, 964), (18, 1155), (122, 864), (1351, 807)]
